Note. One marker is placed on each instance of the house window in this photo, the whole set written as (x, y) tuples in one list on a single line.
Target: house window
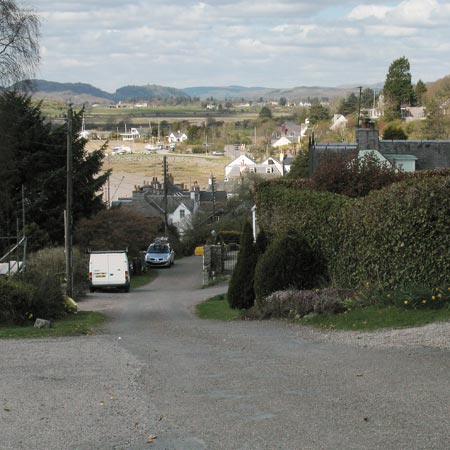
[(253, 169), (269, 169), (182, 212)]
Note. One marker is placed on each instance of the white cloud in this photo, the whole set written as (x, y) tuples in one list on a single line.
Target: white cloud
[(112, 43)]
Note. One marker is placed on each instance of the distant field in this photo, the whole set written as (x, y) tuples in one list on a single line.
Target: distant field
[(135, 169)]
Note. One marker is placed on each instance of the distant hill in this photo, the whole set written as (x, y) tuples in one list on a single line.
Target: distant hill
[(254, 93), (148, 92), (229, 92), (79, 93)]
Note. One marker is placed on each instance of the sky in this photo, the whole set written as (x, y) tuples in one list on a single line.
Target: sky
[(267, 43)]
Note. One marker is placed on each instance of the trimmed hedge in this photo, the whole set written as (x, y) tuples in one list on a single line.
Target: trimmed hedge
[(314, 215), (398, 236), (394, 237)]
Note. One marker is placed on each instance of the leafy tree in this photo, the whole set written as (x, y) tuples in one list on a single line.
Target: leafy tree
[(394, 132), (265, 113), (33, 155), (352, 176), (318, 113), (398, 89), (241, 294), (436, 125), (348, 105), (282, 101), (19, 47), (419, 91), (117, 229)]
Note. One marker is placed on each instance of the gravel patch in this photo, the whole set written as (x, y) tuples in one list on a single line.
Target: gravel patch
[(435, 335), (71, 393)]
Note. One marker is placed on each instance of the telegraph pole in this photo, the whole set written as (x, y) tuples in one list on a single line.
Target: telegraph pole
[(359, 105), (166, 227), (68, 212), (213, 197)]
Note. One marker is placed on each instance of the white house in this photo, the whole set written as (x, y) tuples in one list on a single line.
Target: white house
[(177, 137), (180, 217), (338, 122), (241, 164), (282, 142), (269, 168), (130, 135)]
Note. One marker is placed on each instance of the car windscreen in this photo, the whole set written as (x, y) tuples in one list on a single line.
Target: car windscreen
[(158, 248)]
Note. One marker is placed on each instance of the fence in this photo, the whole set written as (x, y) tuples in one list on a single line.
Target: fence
[(218, 260)]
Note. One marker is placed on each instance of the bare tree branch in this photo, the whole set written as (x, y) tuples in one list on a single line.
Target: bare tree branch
[(19, 43)]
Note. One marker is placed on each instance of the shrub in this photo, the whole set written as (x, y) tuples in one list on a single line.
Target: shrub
[(16, 300), (353, 176), (48, 299), (51, 263), (241, 294), (292, 303), (288, 262)]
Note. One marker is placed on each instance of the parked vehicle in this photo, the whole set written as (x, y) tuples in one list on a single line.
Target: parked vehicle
[(160, 254), (121, 150), (109, 269)]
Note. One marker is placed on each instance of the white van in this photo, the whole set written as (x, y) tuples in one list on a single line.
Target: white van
[(109, 269)]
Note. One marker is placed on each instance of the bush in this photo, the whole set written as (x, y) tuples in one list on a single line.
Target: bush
[(16, 301), (51, 263), (241, 294), (288, 262), (292, 303)]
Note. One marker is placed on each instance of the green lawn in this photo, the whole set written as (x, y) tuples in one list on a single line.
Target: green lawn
[(82, 323), (138, 281), (378, 317), (217, 308)]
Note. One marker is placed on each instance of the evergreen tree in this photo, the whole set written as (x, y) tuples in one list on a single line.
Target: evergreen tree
[(398, 89), (241, 294), (33, 155), (420, 91)]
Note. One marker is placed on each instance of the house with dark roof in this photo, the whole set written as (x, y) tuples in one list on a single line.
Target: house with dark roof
[(425, 154), (150, 201)]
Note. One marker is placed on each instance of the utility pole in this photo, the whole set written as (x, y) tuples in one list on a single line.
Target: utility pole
[(166, 227), (359, 105), (213, 197), (68, 212)]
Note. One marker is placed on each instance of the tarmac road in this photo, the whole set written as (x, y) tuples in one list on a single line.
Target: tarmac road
[(196, 384)]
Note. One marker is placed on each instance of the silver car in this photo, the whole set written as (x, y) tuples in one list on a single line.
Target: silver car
[(159, 254)]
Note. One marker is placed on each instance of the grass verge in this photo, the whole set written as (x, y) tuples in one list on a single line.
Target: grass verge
[(217, 308), (82, 323), (378, 317), (138, 281)]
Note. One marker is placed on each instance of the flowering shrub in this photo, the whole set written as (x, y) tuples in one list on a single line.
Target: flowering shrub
[(419, 298), (292, 303)]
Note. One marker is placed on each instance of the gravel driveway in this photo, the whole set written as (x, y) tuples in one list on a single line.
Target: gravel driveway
[(195, 384)]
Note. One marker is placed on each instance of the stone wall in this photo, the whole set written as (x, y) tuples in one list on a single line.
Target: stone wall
[(430, 154)]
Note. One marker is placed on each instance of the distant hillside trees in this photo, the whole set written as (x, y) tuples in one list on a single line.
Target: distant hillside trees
[(19, 43), (33, 156)]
